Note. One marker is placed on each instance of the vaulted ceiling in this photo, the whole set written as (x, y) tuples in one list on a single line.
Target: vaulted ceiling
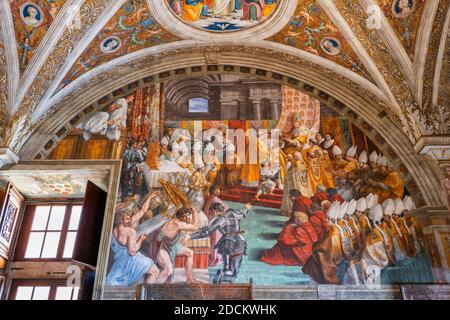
[(402, 60)]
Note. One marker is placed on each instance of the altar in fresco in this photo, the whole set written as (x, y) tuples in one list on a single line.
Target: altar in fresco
[(223, 15)]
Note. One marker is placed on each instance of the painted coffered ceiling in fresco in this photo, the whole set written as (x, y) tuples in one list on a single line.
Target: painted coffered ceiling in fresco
[(394, 50)]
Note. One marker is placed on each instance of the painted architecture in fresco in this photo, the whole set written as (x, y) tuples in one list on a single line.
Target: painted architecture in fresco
[(272, 143)]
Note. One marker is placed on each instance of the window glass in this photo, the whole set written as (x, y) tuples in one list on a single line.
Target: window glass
[(75, 217), (64, 293), (70, 243), (24, 293), (40, 218), (51, 245), (41, 293), (34, 245), (56, 218), (50, 225)]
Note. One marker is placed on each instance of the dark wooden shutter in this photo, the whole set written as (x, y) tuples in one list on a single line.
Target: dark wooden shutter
[(90, 228), (9, 214)]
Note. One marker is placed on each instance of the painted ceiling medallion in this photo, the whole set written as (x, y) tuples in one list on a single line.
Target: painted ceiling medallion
[(223, 15), (403, 8), (331, 46), (110, 44), (31, 14), (222, 20)]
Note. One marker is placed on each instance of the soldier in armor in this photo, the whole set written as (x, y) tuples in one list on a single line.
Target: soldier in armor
[(232, 246), (133, 158)]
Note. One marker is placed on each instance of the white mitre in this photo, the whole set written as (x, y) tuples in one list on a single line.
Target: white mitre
[(370, 201), (352, 151), (376, 213), (373, 156), (343, 209), (409, 203), (333, 211), (361, 205), (388, 207), (351, 207), (399, 206), (336, 151), (363, 157), (376, 197)]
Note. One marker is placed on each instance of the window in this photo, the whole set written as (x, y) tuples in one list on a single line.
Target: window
[(38, 290), (198, 105), (50, 232)]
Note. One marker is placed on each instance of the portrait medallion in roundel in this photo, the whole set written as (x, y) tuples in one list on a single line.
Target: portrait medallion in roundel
[(111, 44), (31, 14), (403, 8), (331, 46), (223, 15)]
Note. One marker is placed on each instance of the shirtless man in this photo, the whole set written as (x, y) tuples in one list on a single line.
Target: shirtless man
[(129, 266), (170, 242), (136, 217)]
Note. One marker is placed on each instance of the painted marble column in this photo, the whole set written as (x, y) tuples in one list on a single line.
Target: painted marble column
[(256, 109), (274, 109)]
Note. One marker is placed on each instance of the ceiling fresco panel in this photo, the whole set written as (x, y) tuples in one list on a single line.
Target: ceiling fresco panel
[(310, 29), (404, 17), (132, 28), (3, 87), (32, 19)]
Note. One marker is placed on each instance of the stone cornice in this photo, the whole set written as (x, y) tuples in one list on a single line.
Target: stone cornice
[(436, 146)]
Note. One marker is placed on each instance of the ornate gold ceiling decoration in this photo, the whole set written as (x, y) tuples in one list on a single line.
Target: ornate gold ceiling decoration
[(444, 90), (370, 38), (131, 29), (404, 17), (3, 88), (434, 116), (32, 20), (310, 29), (89, 12)]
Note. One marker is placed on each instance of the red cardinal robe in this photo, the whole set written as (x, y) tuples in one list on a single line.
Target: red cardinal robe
[(337, 197), (319, 197), (302, 204), (319, 221), (294, 246)]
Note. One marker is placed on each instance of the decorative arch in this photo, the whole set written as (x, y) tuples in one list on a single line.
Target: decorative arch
[(348, 98)]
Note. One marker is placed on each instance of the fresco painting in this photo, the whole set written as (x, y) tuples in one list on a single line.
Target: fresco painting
[(31, 22), (321, 210), (223, 15)]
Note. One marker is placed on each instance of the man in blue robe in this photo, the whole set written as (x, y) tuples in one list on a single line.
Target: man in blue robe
[(130, 266)]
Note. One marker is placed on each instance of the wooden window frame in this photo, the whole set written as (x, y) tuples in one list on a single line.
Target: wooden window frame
[(52, 283), (25, 231)]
